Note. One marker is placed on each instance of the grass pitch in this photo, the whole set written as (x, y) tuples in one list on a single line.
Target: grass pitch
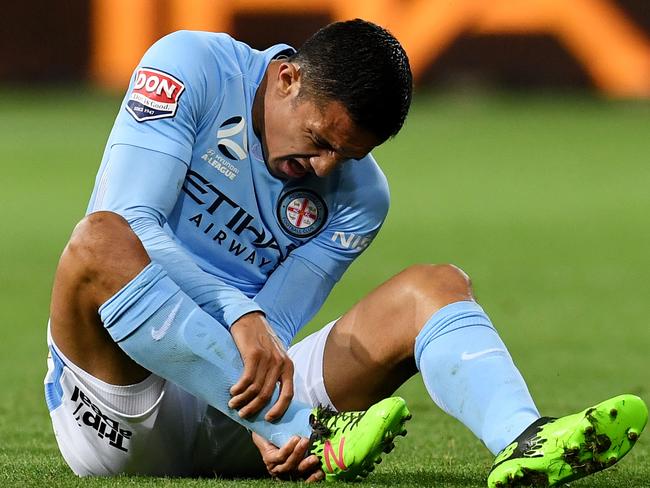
[(543, 201)]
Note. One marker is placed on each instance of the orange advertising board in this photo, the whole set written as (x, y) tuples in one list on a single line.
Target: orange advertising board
[(611, 49)]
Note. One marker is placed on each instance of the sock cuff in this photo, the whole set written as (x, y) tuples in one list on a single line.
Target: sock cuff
[(140, 298), (451, 317)]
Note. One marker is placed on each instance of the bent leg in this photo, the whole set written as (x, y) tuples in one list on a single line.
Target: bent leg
[(425, 319), (118, 316), (102, 256), (370, 351), (109, 414)]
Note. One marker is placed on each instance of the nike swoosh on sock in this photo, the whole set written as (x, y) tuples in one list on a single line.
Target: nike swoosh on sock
[(157, 334), (467, 356)]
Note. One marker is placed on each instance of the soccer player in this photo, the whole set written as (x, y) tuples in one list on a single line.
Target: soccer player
[(236, 188)]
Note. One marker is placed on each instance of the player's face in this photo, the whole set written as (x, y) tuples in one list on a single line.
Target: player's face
[(302, 137)]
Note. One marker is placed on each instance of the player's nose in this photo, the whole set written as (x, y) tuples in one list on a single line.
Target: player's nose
[(324, 164)]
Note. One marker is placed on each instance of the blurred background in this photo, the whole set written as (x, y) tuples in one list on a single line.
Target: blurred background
[(582, 44), (525, 160)]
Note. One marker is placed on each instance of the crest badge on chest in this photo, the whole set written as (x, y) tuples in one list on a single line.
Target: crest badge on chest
[(301, 212)]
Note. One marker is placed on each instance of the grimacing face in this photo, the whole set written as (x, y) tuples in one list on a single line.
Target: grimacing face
[(300, 136)]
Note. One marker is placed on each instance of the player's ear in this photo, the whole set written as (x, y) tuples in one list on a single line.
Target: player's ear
[(289, 78)]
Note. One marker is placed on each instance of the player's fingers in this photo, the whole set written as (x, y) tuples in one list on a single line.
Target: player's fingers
[(266, 449), (281, 463), (255, 381), (259, 392), (316, 476), (251, 360), (261, 443), (263, 389), (278, 456), (286, 393), (271, 455), (292, 461), (242, 401), (308, 464)]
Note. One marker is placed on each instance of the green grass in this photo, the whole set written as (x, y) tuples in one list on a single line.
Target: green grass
[(543, 200)]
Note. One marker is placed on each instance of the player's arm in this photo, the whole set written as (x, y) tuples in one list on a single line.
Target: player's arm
[(142, 186), (141, 178), (299, 286)]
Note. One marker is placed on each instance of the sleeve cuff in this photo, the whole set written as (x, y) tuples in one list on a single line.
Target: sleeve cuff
[(235, 312)]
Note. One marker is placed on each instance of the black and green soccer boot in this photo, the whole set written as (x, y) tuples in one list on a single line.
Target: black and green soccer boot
[(349, 444), (554, 451)]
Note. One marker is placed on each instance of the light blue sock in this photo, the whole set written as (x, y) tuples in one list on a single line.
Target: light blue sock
[(166, 332), (469, 373)]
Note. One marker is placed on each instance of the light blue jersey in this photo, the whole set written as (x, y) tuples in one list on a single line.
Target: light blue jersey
[(185, 168)]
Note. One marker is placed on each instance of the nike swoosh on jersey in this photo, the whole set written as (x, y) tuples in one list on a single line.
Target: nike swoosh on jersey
[(466, 356), (157, 334)]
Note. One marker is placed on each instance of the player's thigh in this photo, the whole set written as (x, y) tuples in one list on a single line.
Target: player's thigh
[(369, 352), (392, 314), (102, 256), (96, 438)]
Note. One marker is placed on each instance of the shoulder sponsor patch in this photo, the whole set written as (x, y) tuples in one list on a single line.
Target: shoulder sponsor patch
[(154, 95), (301, 213), (349, 240)]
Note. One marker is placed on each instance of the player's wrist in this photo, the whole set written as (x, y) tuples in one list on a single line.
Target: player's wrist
[(234, 313), (250, 319)]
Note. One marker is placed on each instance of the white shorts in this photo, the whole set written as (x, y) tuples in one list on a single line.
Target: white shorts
[(177, 435)]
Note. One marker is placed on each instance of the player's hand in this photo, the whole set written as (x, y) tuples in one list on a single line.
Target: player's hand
[(289, 462), (266, 364)]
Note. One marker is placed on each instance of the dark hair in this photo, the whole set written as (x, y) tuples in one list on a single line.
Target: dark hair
[(364, 67)]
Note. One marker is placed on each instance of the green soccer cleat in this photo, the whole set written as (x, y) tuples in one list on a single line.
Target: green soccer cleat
[(349, 444), (553, 451)]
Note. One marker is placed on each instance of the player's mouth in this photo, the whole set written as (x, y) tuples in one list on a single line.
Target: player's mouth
[(292, 168)]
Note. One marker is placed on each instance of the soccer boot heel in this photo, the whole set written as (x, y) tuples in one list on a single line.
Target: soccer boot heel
[(349, 444), (554, 451)]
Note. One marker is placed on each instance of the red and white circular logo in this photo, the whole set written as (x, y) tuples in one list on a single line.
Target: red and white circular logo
[(302, 213)]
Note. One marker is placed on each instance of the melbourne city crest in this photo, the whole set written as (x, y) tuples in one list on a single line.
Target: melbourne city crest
[(301, 213)]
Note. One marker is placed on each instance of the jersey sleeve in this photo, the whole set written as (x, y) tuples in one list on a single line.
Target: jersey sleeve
[(359, 210), (299, 286), (142, 186), (148, 154), (292, 295), (168, 94)]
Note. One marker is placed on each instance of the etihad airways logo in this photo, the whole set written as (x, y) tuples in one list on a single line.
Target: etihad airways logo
[(229, 225), (226, 135)]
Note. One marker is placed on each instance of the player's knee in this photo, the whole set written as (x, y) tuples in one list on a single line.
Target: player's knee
[(440, 283), (94, 237), (103, 244)]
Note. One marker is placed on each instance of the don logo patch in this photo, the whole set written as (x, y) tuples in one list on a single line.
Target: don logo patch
[(301, 213), (154, 95)]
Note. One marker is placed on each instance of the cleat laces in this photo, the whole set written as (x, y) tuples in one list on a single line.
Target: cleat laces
[(326, 422)]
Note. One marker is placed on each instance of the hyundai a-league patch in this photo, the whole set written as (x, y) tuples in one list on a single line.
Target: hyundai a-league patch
[(301, 213), (154, 95)]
